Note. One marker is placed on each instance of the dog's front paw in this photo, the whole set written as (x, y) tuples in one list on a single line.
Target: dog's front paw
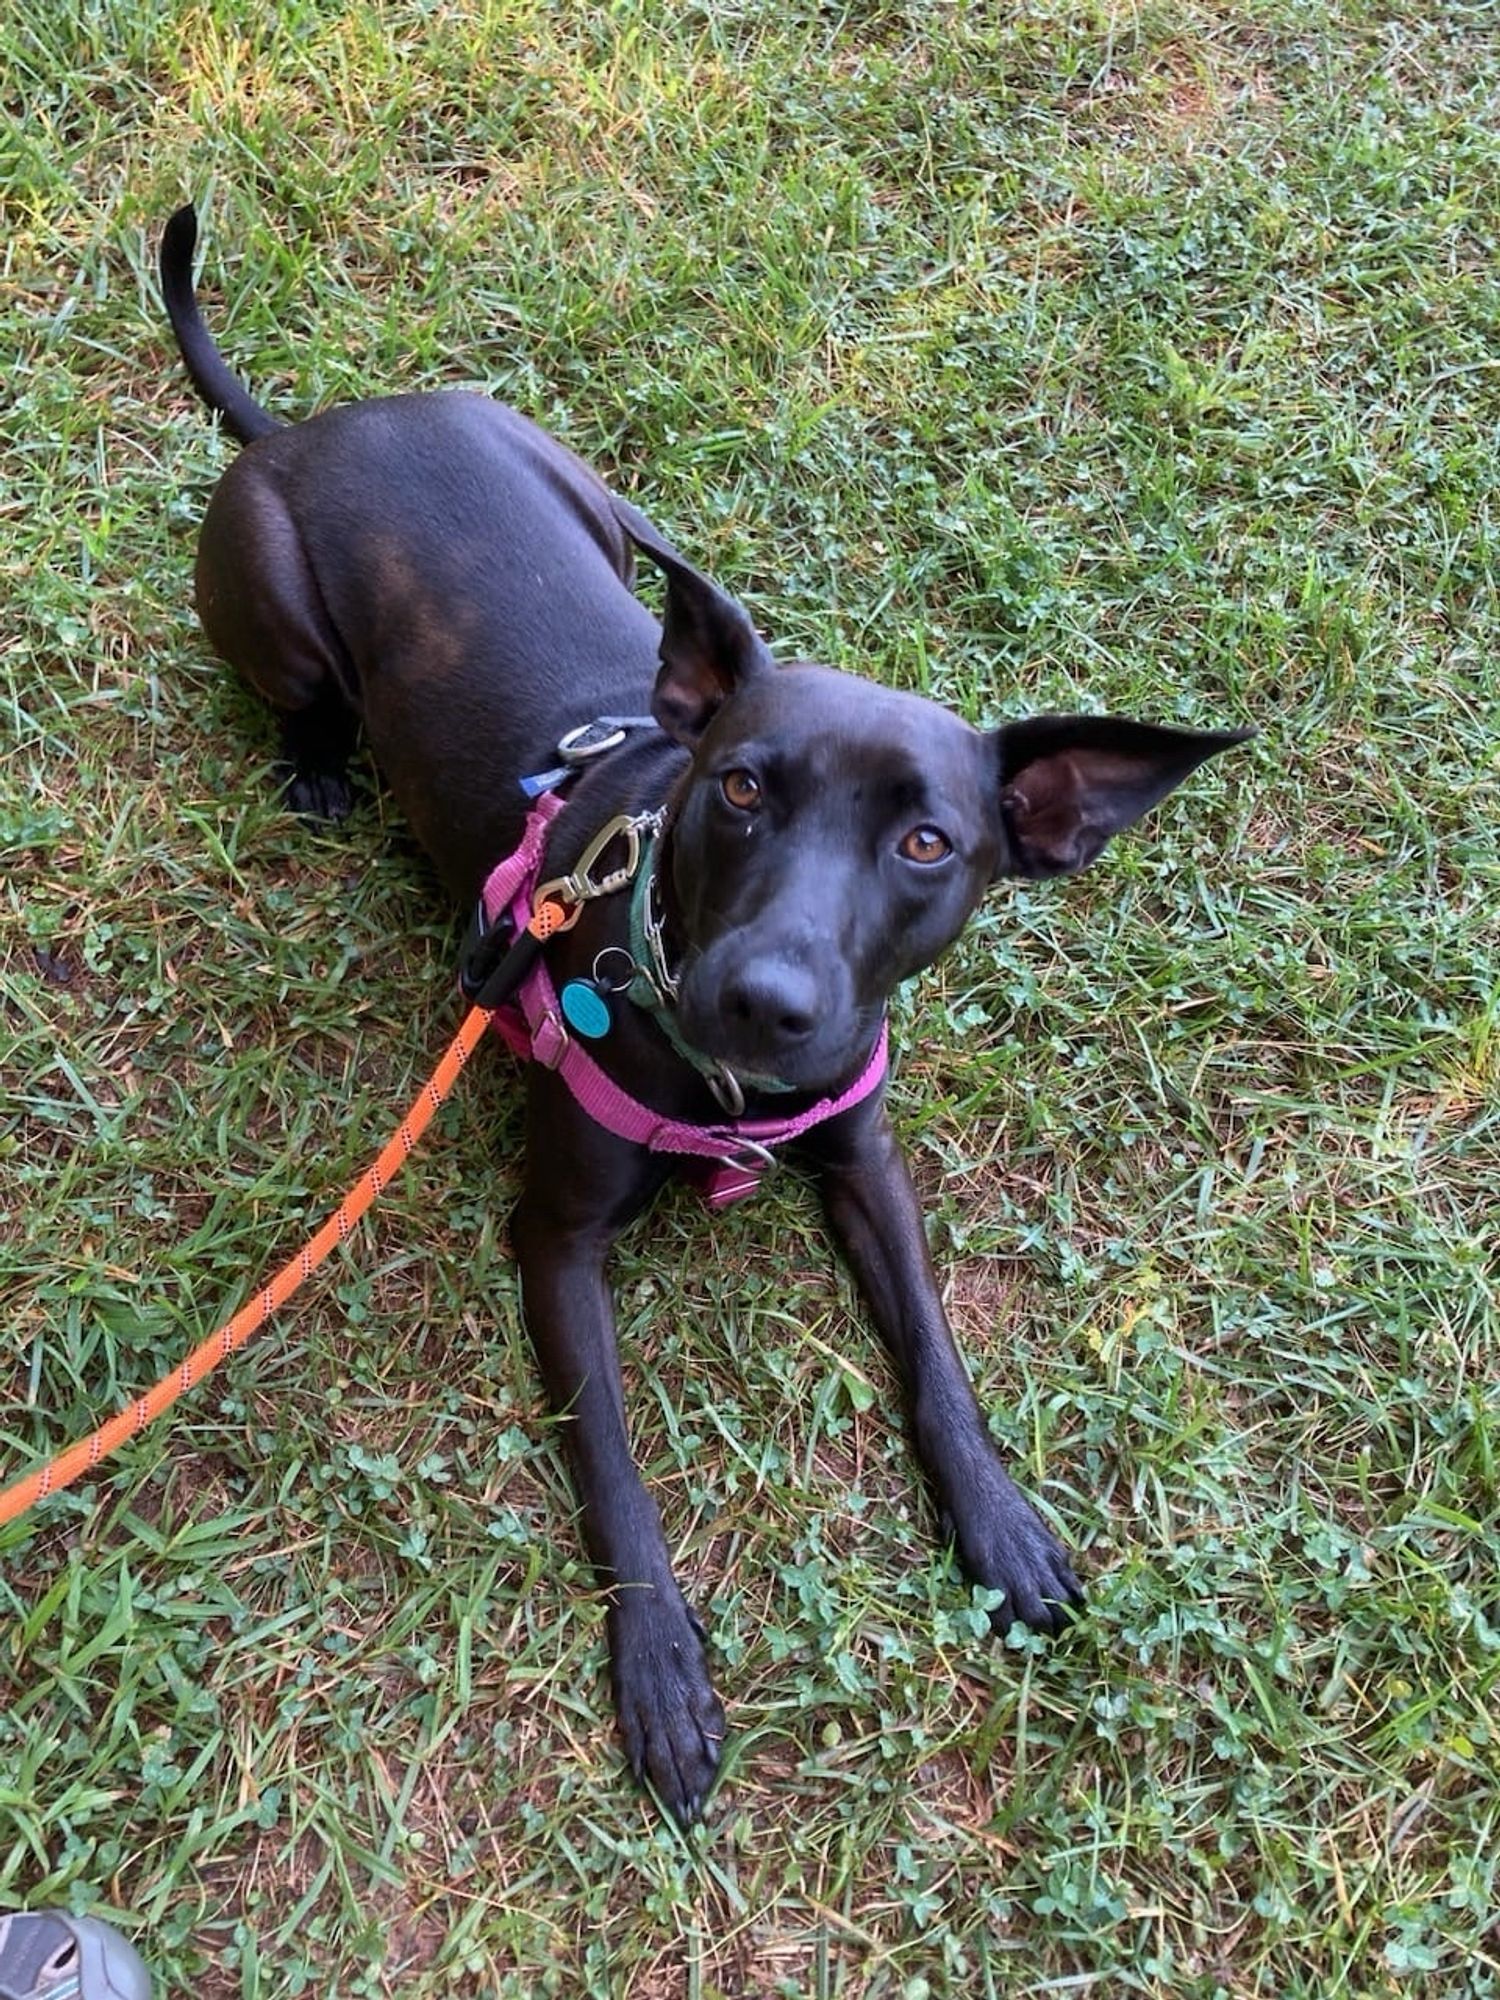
[(1003, 1545), (670, 1717)]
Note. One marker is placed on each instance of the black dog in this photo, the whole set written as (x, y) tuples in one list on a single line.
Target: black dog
[(438, 570)]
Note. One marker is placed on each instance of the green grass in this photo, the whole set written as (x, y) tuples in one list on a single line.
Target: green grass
[(1134, 357)]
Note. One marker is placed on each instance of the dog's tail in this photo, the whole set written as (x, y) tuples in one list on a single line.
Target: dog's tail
[(212, 376)]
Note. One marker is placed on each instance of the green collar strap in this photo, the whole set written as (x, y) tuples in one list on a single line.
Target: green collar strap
[(654, 990)]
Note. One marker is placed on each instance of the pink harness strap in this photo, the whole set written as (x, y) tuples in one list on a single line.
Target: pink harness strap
[(732, 1154)]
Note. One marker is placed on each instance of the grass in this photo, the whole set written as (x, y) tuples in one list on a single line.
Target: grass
[(1129, 357)]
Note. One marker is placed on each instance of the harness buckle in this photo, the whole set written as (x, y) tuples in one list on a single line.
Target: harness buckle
[(549, 1041)]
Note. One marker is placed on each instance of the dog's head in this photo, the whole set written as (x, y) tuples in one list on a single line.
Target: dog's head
[(831, 836)]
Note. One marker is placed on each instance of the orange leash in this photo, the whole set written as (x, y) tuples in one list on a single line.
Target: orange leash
[(86, 1454)]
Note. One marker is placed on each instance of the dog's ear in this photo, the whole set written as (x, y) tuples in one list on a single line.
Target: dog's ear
[(708, 645), (1068, 782)]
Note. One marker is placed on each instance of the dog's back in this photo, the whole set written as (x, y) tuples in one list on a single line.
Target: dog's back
[(434, 564)]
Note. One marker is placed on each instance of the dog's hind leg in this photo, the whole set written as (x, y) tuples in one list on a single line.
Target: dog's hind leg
[(262, 611), (316, 745)]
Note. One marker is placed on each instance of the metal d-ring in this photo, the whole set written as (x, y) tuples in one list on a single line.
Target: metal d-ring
[(589, 739), (725, 1086)]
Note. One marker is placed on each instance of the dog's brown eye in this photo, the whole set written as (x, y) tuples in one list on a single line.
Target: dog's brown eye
[(926, 844), (742, 789)]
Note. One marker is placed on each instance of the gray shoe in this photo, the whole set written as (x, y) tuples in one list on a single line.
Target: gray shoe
[(45, 1955)]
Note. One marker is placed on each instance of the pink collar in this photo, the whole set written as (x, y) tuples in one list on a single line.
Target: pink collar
[(733, 1155)]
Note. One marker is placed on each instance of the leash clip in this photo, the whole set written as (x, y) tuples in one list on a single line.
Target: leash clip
[(582, 885)]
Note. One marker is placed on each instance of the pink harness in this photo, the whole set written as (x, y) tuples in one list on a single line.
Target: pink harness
[(733, 1156)]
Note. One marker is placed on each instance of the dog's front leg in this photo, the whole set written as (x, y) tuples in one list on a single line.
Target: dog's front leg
[(582, 1187), (875, 1214)]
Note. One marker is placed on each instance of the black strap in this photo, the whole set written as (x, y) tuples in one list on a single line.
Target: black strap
[(493, 964)]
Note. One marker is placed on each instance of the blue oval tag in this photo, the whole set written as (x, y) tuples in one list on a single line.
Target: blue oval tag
[(585, 1009)]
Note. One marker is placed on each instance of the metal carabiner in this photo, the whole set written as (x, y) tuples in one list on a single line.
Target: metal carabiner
[(580, 886)]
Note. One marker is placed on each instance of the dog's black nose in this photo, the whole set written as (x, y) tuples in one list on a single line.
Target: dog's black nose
[(776, 999)]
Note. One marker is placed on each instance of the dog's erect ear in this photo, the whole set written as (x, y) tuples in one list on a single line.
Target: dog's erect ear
[(708, 645), (1068, 782)]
